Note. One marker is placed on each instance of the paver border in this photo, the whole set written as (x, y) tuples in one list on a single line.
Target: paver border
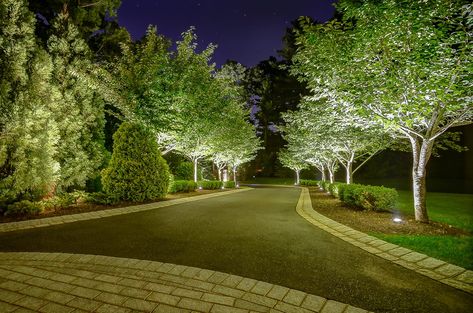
[(63, 219), (46, 282), (449, 274)]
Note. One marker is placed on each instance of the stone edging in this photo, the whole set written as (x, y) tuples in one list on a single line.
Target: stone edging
[(61, 282), (444, 272), (63, 219)]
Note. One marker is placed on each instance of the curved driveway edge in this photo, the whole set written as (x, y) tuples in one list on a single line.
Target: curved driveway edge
[(60, 282), (48, 221), (447, 273)]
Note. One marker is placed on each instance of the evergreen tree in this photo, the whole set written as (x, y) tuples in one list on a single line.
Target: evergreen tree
[(80, 115), (28, 133), (137, 171)]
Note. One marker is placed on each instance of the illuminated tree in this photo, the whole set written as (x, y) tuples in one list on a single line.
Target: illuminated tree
[(405, 66), (294, 161), (28, 131), (80, 115)]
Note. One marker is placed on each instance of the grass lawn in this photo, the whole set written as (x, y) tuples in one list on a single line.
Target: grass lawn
[(452, 249), (448, 208)]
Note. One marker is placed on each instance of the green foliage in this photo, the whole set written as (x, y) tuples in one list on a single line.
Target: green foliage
[(404, 66), (101, 198), (137, 171), (28, 132), (63, 200), (366, 197), (373, 198), (210, 184), (308, 182), (89, 16), (24, 207), (324, 184), (229, 184), (333, 189), (183, 186), (184, 171), (79, 113)]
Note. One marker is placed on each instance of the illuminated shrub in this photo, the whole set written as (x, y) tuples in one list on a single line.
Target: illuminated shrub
[(210, 184), (24, 207), (183, 186), (137, 171), (375, 198), (308, 182), (229, 184)]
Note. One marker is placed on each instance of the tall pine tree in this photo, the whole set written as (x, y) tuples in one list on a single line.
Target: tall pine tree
[(80, 115), (28, 133)]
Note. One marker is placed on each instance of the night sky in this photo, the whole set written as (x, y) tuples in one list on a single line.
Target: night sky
[(247, 31)]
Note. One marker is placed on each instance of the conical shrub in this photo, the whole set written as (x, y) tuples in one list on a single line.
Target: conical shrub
[(137, 171)]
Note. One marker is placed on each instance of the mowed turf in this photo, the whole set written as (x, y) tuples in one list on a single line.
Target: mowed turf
[(448, 208)]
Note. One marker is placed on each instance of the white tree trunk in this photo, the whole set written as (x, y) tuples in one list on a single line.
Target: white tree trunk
[(234, 175), (219, 173), (349, 174), (297, 177), (421, 152), (331, 174), (322, 170), (195, 169)]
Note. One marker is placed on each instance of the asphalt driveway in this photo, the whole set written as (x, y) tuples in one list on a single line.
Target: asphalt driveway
[(255, 234)]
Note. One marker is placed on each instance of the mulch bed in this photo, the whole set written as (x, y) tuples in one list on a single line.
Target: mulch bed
[(376, 222), (91, 207)]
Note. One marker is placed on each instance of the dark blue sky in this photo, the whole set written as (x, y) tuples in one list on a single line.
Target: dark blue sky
[(248, 31)]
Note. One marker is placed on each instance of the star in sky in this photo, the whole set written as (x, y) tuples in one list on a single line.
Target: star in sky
[(247, 31)]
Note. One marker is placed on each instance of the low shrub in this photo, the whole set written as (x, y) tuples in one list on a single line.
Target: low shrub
[(309, 182), (333, 189), (374, 198), (60, 201), (366, 197), (183, 186), (101, 198), (210, 184), (24, 207), (229, 184), (324, 184)]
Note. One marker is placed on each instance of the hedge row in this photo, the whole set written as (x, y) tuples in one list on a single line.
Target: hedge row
[(373, 198), (183, 186), (229, 184), (210, 184), (308, 182)]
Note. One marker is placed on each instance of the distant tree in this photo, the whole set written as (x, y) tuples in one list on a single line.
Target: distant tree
[(88, 15), (294, 161)]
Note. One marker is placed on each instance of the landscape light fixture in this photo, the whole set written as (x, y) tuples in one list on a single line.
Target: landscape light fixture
[(397, 220)]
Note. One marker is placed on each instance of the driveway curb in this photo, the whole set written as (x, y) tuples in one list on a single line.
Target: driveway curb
[(444, 272), (57, 220), (62, 282)]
